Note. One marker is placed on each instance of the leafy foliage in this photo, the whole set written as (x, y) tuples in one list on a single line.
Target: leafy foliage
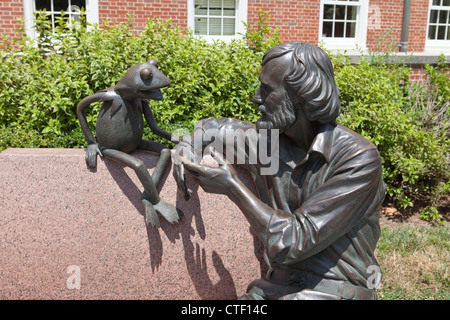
[(378, 103), (42, 81)]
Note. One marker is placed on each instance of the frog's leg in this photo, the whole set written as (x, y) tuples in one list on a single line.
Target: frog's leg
[(164, 159), (151, 200), (169, 212)]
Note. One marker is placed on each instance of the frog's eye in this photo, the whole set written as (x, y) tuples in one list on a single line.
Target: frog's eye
[(146, 74), (154, 62)]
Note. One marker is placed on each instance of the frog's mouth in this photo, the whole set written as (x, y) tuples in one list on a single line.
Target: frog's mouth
[(153, 94)]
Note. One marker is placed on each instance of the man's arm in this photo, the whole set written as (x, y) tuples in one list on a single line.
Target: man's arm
[(224, 180), (351, 192), (329, 213)]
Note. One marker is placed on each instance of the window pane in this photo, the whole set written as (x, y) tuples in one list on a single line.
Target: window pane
[(229, 27), (79, 3), (43, 4), (215, 7), (327, 29), (432, 32), (436, 2), (441, 33), (446, 3), (201, 7), (350, 31), (339, 30), (229, 8), (433, 16), (328, 12), (443, 16), (215, 26), (340, 12), (201, 26), (351, 12), (59, 5)]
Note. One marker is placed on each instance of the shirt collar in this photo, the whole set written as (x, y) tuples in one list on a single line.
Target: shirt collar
[(323, 141)]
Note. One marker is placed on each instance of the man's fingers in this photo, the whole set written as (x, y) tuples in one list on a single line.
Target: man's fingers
[(186, 191), (218, 157), (196, 169), (182, 183), (180, 178)]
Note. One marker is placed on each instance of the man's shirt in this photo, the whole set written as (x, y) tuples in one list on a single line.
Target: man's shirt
[(326, 201)]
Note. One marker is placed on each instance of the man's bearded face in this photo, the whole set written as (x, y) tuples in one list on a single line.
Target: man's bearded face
[(277, 112)]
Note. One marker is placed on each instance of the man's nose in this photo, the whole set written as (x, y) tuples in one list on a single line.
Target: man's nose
[(257, 99)]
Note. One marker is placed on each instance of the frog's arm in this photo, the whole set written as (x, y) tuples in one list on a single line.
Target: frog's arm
[(148, 114), (81, 114), (92, 149)]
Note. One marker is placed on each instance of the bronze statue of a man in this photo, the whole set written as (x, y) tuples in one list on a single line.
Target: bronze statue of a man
[(317, 214)]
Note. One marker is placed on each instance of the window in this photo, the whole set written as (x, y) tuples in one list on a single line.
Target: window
[(54, 7), (343, 23), (217, 19), (439, 21)]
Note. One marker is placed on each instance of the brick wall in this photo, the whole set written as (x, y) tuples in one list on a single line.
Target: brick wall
[(117, 11), (385, 24), (299, 20), (418, 73), (296, 20), (418, 25), (10, 12)]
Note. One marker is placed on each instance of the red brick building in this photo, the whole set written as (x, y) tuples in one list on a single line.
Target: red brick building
[(337, 24)]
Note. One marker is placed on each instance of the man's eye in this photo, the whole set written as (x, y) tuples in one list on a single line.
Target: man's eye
[(264, 90)]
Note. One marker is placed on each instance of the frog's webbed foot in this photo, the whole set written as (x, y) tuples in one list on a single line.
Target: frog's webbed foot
[(168, 211), (151, 217)]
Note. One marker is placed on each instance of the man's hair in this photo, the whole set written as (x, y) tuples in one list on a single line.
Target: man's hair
[(311, 78)]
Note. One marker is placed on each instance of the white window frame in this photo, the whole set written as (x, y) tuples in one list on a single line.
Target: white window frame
[(437, 46), (241, 17), (29, 9), (361, 26)]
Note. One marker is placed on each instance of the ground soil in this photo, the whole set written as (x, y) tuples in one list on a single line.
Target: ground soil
[(392, 217)]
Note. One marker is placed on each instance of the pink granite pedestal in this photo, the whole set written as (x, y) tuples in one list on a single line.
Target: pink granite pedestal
[(67, 232)]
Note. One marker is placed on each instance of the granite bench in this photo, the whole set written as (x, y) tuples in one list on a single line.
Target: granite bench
[(68, 232)]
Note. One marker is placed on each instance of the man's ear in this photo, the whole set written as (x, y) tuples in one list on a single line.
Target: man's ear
[(293, 96)]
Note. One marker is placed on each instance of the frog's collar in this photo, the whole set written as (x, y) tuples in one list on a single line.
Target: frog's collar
[(111, 95), (117, 100)]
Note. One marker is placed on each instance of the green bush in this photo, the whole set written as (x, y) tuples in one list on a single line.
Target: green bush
[(42, 81), (377, 103)]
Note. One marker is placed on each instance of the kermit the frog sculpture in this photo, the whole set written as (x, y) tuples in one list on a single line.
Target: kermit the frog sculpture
[(119, 132)]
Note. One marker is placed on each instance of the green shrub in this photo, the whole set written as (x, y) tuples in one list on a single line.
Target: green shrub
[(42, 81), (375, 104)]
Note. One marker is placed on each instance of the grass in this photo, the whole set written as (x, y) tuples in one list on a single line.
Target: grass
[(415, 263)]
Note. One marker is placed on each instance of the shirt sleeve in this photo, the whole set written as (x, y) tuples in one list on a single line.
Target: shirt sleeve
[(351, 191)]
